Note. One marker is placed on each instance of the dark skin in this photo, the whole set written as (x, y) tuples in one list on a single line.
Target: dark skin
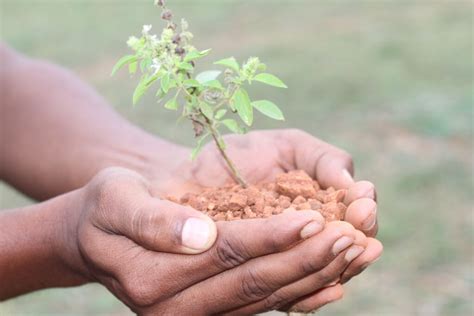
[(100, 224)]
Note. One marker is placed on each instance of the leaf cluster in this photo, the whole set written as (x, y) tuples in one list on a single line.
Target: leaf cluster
[(210, 99)]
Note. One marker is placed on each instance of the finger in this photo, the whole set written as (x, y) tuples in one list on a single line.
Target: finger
[(125, 207), (362, 213), (329, 165), (164, 226), (328, 275), (260, 277), (237, 242), (317, 300), (371, 254), (360, 189)]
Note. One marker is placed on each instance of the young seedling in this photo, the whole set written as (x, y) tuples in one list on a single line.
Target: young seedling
[(208, 99)]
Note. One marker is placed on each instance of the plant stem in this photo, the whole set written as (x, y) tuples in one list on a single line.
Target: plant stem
[(235, 173), (218, 141)]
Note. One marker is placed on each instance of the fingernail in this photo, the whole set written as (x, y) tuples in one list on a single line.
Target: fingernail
[(341, 244), (311, 229), (196, 233), (353, 252), (369, 222)]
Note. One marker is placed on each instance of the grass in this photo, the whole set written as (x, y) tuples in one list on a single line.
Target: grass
[(391, 82)]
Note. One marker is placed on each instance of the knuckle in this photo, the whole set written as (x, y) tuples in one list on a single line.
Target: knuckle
[(273, 242), (324, 277), (105, 185), (276, 301), (309, 266), (303, 308), (139, 292), (229, 253), (253, 286), (110, 182)]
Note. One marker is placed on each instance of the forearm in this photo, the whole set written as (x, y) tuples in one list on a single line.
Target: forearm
[(32, 245), (57, 132)]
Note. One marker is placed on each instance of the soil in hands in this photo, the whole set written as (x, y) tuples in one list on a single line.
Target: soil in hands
[(292, 191)]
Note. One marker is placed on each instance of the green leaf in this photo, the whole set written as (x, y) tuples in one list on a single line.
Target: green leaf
[(269, 109), (270, 80), (140, 90), (151, 79), (172, 104), (220, 114), (196, 55), (206, 110), (241, 102), (165, 83), (205, 52), (160, 95), (132, 67), (207, 76), (123, 61), (213, 84), (144, 64), (229, 62), (233, 126), (191, 83), (185, 66), (198, 147)]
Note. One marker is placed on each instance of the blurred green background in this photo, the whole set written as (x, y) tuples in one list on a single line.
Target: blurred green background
[(389, 81)]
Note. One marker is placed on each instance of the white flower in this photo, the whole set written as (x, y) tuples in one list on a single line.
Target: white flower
[(146, 29), (153, 39), (133, 42), (155, 65)]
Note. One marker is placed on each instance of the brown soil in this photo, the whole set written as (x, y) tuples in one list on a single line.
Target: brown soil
[(290, 191)]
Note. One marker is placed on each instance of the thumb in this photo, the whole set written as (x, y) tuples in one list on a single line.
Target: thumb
[(329, 165), (164, 226), (334, 168)]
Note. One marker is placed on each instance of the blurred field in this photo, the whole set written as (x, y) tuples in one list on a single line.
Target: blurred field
[(389, 81)]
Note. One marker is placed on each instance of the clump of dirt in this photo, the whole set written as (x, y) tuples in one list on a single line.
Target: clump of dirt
[(292, 191)]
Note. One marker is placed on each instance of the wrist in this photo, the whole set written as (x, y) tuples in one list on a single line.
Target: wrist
[(30, 249), (65, 245)]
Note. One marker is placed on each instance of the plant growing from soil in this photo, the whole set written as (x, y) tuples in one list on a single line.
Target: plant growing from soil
[(214, 99), (208, 99)]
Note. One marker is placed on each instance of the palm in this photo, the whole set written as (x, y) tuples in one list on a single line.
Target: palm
[(256, 155), (261, 155)]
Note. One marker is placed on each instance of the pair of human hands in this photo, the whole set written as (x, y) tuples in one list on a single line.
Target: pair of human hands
[(139, 246)]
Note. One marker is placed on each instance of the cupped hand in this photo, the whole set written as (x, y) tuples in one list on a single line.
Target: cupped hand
[(262, 155), (138, 246)]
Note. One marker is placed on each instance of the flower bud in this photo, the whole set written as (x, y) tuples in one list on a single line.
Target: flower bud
[(166, 15), (176, 39), (179, 51)]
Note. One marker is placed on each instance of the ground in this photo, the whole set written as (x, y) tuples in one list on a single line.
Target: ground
[(391, 82)]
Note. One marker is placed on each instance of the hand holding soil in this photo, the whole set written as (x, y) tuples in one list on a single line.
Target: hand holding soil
[(125, 236), (262, 156), (145, 234)]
